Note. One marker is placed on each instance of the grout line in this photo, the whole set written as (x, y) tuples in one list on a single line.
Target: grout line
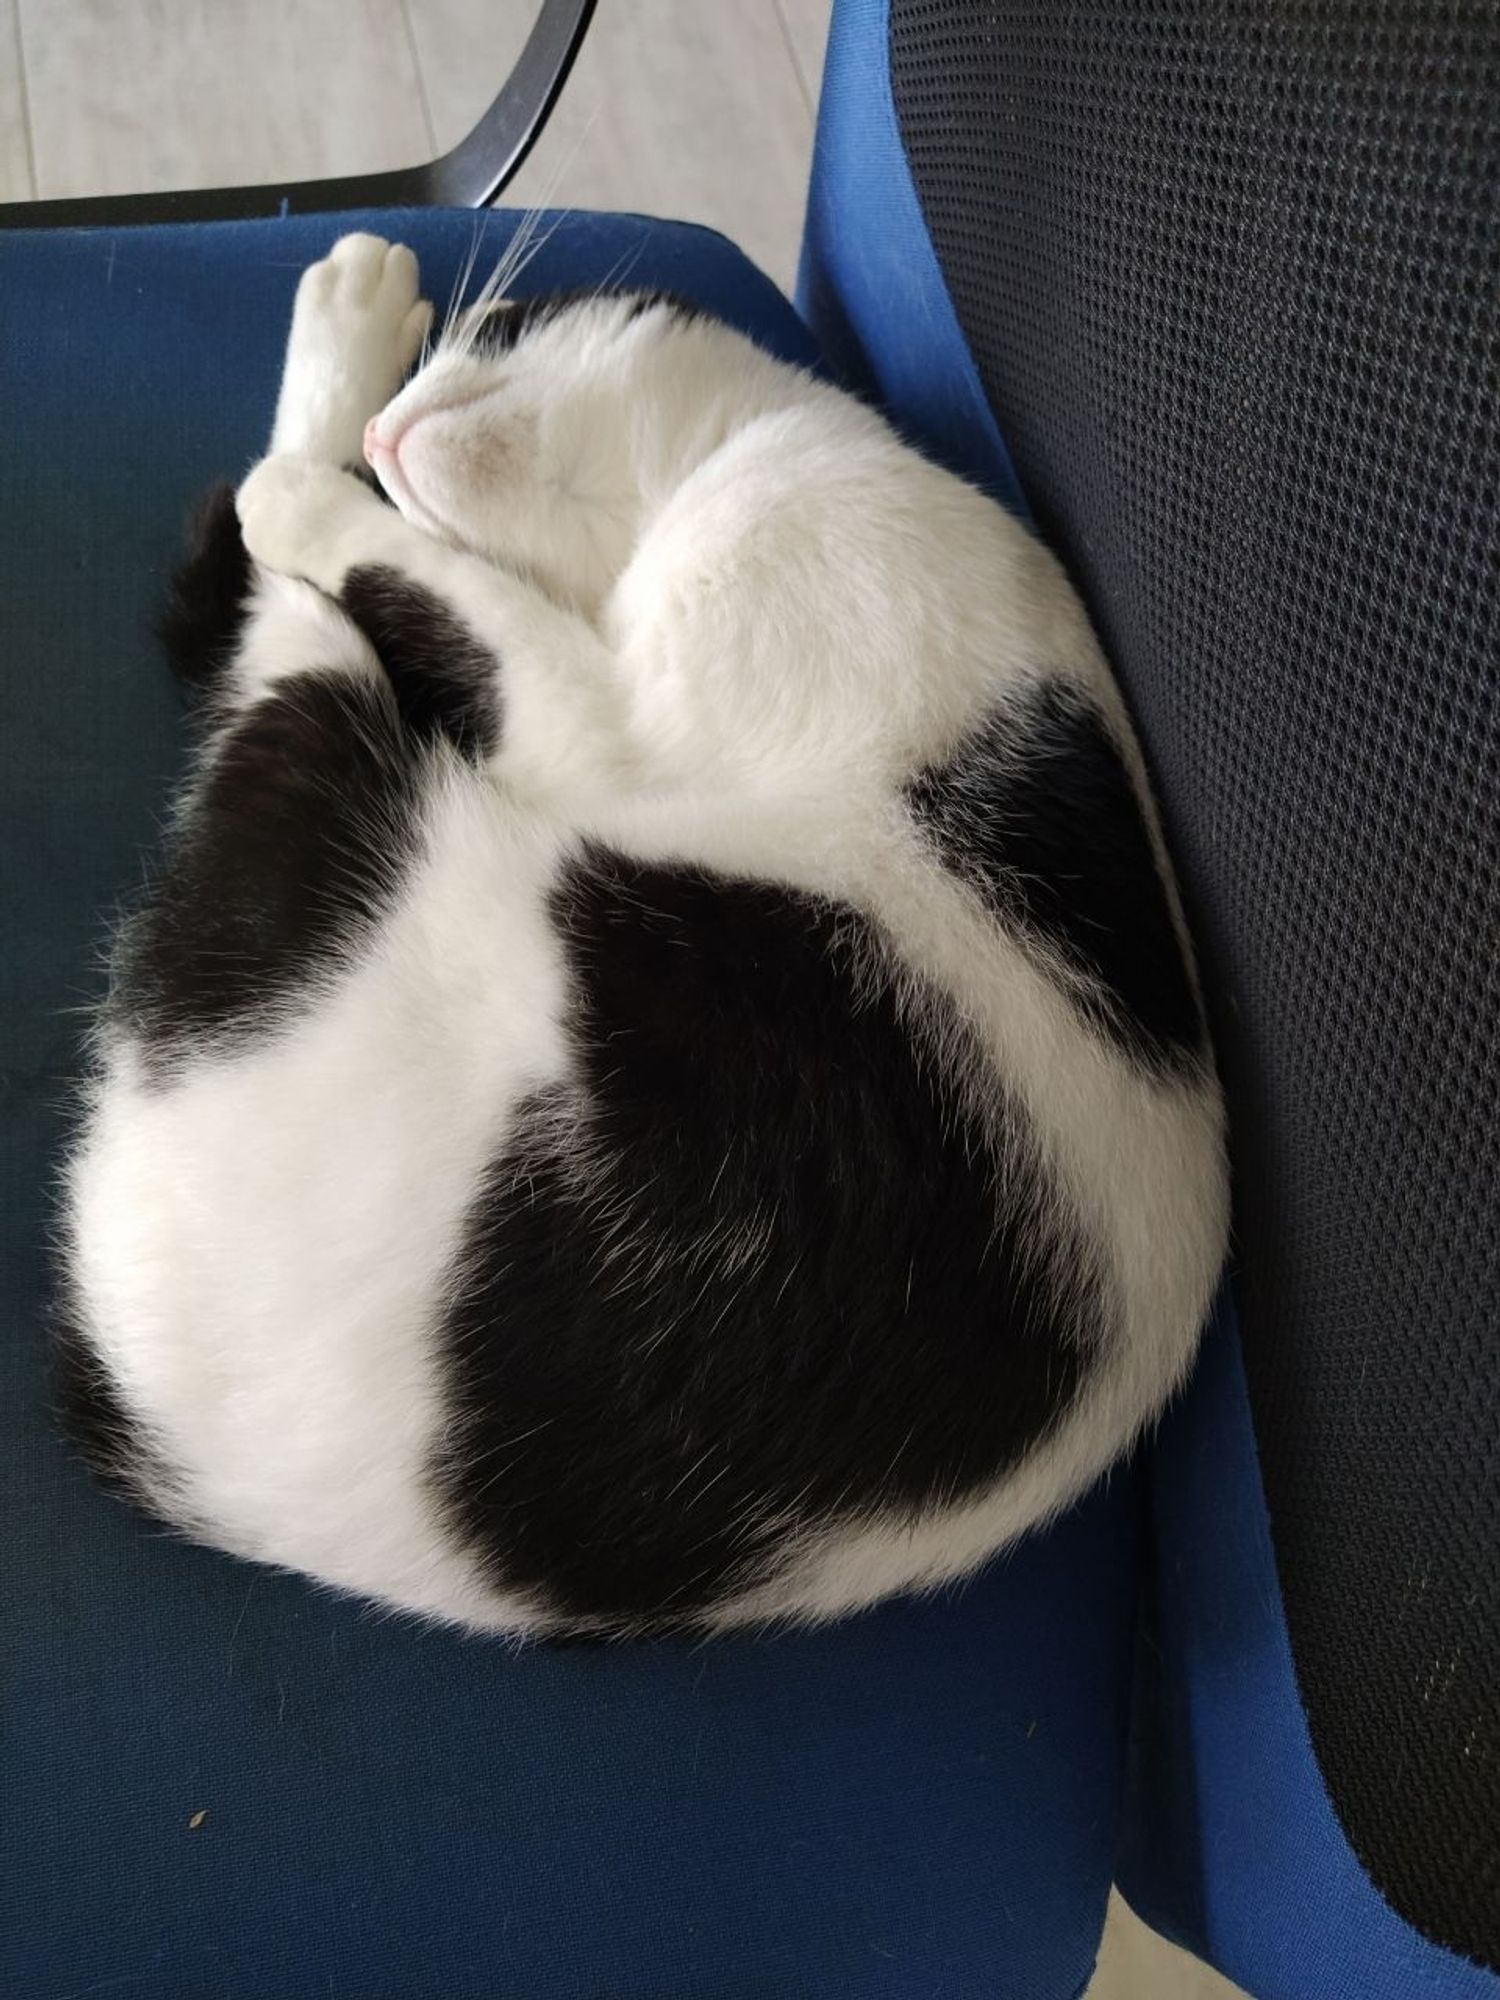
[(15, 15), (803, 87), (423, 100)]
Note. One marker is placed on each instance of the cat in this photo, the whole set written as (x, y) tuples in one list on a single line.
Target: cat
[(660, 1085)]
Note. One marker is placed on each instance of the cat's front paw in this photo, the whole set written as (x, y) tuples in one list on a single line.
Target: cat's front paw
[(357, 326), (295, 514)]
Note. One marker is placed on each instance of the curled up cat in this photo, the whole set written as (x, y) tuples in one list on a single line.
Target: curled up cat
[(659, 1085)]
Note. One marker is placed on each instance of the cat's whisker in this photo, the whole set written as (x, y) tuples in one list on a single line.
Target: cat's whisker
[(524, 245), (465, 272), (527, 250), (625, 263), (436, 335)]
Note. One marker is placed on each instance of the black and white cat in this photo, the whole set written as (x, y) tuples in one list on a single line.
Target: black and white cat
[(660, 1085)]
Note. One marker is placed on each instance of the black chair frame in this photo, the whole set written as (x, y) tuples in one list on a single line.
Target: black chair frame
[(471, 175)]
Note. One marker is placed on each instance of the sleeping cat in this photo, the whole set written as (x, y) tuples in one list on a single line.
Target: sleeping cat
[(659, 1086)]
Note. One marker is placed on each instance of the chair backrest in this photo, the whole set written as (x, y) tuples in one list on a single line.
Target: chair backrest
[(1227, 281)]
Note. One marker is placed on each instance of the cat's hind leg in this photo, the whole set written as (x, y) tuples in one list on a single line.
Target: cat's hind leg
[(232, 630), (292, 836), (208, 599)]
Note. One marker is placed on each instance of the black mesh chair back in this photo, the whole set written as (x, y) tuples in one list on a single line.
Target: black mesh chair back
[(1231, 275)]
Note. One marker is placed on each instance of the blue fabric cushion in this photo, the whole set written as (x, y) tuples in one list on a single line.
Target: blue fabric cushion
[(1232, 1846), (869, 282), (218, 1780)]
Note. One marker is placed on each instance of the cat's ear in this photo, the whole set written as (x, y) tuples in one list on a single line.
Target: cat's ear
[(494, 326)]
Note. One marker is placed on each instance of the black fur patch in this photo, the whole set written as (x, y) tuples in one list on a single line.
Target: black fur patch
[(785, 1288), (504, 321), (507, 321), (671, 302), (87, 1406), (446, 683), (206, 600), (1039, 810), (289, 850)]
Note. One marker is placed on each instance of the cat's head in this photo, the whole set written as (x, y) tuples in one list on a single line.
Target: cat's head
[(541, 432)]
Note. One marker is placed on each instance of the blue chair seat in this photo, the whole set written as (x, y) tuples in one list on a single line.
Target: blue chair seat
[(220, 1781)]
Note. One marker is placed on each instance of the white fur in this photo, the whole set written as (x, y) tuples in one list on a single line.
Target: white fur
[(735, 614), (260, 1245)]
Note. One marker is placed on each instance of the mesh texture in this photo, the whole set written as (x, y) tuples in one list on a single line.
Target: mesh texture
[(1231, 276)]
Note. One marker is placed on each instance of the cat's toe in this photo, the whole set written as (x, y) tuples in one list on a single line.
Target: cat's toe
[(362, 279), (365, 300), (358, 262), (414, 330), (364, 276), (398, 280)]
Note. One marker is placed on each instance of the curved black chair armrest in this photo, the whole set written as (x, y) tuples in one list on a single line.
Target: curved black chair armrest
[(470, 176)]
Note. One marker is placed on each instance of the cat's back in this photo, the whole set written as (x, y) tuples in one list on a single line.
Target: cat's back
[(819, 607), (889, 1194)]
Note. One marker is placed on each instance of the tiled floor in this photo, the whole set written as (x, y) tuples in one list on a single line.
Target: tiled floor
[(1135, 1964), (695, 108)]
